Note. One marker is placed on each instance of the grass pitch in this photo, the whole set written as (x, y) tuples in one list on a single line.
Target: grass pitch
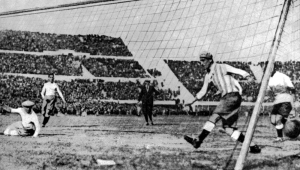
[(71, 142)]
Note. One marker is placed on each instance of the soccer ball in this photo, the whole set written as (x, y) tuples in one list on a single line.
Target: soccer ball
[(292, 128)]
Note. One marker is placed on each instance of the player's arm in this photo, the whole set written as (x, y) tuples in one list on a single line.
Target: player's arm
[(9, 109), (290, 88), (140, 95), (36, 123), (43, 92), (203, 90), (234, 70), (61, 95)]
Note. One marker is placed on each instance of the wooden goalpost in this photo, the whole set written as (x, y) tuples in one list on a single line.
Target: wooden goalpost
[(255, 114)]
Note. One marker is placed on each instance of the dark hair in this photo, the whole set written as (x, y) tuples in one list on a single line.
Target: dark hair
[(51, 74)]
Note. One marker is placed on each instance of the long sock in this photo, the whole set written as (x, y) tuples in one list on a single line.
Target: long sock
[(279, 133), (203, 135), (45, 121), (241, 138)]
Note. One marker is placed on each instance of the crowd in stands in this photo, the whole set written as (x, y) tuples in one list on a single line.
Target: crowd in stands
[(38, 42), (69, 65), (44, 64), (109, 67), (154, 72)]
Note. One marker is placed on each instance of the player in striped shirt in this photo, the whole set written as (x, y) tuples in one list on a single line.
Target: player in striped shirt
[(227, 110)]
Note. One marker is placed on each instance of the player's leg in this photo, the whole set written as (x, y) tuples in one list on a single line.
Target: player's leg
[(144, 110), (49, 109), (13, 129), (44, 105), (150, 109), (207, 128), (279, 116), (228, 125)]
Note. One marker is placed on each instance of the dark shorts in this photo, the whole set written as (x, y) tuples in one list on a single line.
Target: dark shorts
[(282, 109), (228, 109)]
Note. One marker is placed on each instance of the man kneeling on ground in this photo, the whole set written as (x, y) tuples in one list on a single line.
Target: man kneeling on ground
[(29, 126)]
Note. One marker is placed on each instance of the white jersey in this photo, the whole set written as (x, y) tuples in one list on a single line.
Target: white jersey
[(27, 118), (50, 88), (279, 83)]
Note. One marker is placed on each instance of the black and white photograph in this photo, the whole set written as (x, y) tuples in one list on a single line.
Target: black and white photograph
[(149, 84)]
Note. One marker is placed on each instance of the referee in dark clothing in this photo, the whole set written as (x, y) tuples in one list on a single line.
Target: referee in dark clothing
[(147, 97)]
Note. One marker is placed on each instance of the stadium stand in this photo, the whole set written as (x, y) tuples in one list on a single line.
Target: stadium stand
[(38, 42), (44, 64), (110, 67)]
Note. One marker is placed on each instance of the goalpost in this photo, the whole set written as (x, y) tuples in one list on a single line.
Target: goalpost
[(255, 114)]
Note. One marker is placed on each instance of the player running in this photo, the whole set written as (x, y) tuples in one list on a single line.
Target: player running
[(49, 98), (230, 102)]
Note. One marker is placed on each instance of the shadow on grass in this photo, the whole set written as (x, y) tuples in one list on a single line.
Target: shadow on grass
[(82, 126), (46, 135), (126, 131), (165, 124), (261, 164), (271, 146)]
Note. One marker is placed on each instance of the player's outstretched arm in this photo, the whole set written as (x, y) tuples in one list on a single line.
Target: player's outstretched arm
[(7, 108), (202, 92)]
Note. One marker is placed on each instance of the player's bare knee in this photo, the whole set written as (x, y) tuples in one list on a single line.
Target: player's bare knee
[(228, 130), (214, 118)]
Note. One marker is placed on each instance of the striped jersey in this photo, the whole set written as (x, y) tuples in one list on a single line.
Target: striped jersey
[(219, 75)]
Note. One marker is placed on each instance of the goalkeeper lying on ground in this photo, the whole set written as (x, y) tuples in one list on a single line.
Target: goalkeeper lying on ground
[(29, 126)]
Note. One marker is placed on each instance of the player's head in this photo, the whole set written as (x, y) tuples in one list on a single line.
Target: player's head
[(27, 105), (206, 59), (51, 77), (147, 82)]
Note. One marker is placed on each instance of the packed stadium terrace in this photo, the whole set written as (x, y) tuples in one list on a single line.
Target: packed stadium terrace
[(110, 67), (70, 65), (39, 42), (44, 64), (15, 89)]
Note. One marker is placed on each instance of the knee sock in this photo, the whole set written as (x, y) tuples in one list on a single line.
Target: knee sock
[(279, 130), (207, 128), (203, 135), (238, 136), (45, 121)]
